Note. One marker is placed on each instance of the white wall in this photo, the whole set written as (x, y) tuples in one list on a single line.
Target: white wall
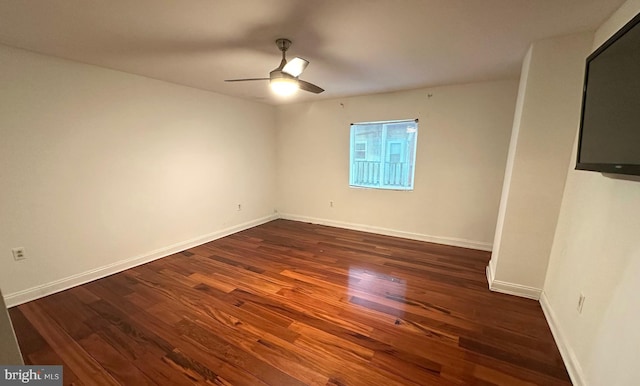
[(463, 139), (98, 167), (543, 133), (596, 251)]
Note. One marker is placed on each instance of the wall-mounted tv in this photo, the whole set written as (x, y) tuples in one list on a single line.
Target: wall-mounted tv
[(610, 122)]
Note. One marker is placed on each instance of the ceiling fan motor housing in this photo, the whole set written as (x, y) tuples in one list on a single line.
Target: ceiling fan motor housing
[(283, 44)]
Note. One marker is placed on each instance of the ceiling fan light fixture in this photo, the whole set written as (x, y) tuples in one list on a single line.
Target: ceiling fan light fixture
[(284, 80), (284, 86)]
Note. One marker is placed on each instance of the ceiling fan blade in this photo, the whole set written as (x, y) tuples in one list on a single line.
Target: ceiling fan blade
[(295, 66), (244, 80), (306, 86)]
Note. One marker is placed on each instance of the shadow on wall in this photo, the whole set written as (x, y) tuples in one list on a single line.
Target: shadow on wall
[(10, 352)]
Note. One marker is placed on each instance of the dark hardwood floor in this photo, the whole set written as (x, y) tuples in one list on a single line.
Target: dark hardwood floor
[(289, 303)]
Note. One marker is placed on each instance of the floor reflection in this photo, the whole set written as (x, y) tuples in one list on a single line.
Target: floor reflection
[(377, 291)]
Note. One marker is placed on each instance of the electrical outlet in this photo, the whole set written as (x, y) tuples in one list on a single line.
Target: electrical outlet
[(18, 253), (580, 303), (330, 204), (239, 207)]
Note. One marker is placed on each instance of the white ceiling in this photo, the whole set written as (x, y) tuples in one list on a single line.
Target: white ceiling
[(354, 46)]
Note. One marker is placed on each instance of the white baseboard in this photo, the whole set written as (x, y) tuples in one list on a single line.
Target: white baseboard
[(483, 246), (512, 288), (19, 297), (29, 294), (489, 274), (568, 356)]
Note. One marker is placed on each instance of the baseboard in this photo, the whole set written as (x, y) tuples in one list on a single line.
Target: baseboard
[(491, 267), (489, 274), (512, 288), (29, 294), (483, 246), (568, 356)]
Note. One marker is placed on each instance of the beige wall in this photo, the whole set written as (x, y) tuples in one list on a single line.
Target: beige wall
[(543, 132), (508, 173), (596, 251), (101, 169), (463, 139)]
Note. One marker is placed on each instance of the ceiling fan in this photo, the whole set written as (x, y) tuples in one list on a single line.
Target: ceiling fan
[(284, 79)]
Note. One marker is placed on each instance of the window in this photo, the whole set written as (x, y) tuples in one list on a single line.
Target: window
[(360, 151), (383, 154)]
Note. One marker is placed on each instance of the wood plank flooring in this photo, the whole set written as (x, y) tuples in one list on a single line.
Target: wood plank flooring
[(289, 303)]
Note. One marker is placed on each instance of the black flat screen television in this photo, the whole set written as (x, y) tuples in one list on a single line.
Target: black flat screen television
[(609, 139)]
